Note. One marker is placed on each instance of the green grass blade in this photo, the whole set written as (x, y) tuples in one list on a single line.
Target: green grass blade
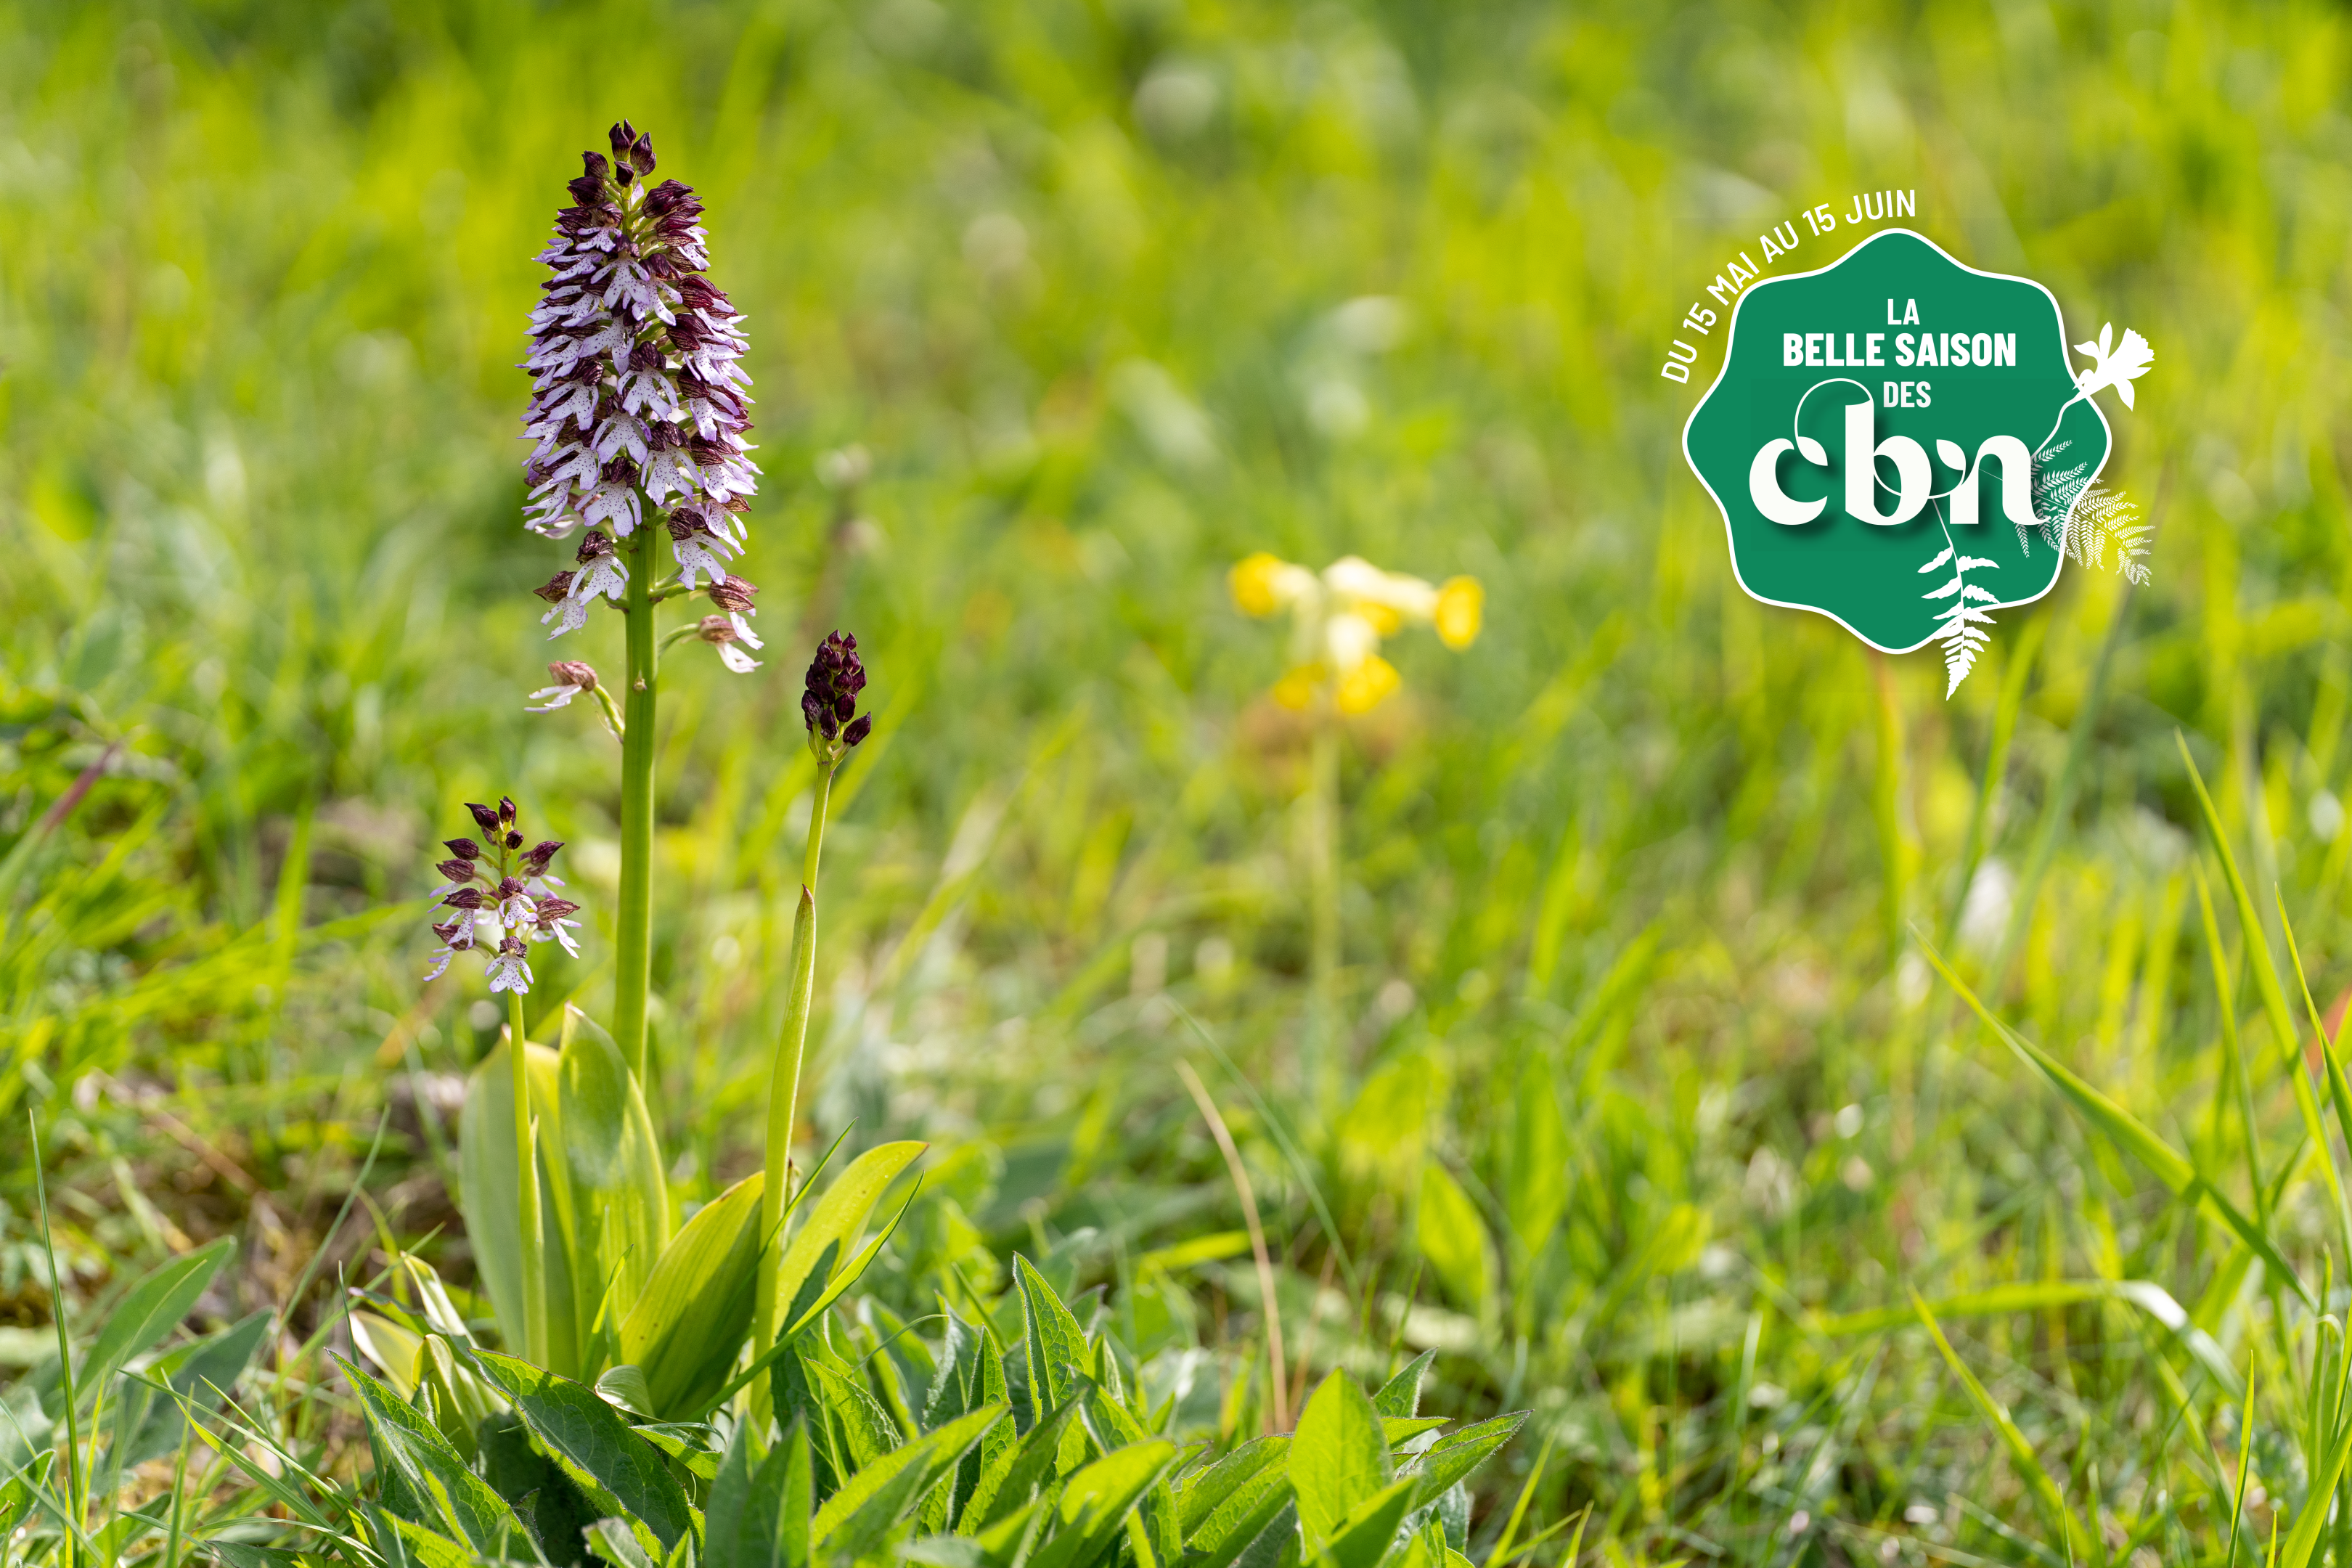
[(2127, 1133), (2037, 1479)]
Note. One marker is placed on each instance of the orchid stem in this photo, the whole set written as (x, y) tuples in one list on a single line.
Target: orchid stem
[(634, 968), (1323, 912), (534, 1257), (784, 1090)]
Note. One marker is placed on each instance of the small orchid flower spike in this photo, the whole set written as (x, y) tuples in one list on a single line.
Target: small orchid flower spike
[(1339, 616), (500, 899)]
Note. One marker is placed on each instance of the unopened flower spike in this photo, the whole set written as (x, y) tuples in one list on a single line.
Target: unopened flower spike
[(499, 897), (1339, 617), (639, 401), (829, 703)]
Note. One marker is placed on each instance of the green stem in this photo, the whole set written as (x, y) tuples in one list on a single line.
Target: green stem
[(2004, 726), (1886, 805), (534, 1257), (75, 1499), (634, 970), (784, 1090), (1323, 895)]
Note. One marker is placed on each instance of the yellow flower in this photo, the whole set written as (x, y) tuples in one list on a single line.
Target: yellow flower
[(1461, 608), (1362, 687), (1252, 582), (1339, 618), (1296, 691)]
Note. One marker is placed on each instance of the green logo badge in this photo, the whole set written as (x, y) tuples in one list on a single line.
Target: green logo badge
[(1900, 443)]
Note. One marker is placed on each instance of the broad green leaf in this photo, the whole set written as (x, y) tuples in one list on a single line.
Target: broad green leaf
[(1202, 1498), (860, 1417), (993, 1457), (1092, 1512), (1370, 1528), (1400, 1429), (1234, 1501), (148, 1311), (694, 1310), (403, 1541), (1400, 1395), (17, 1498), (394, 1348), (1277, 1545), (486, 1197), (685, 1442), (839, 1216), (615, 1202), (618, 1470), (613, 1542), (148, 1423), (740, 1518), (1113, 1428), (1055, 1344), (1536, 1194), (950, 1393), (552, 1506), (856, 1519), (2126, 1131), (1009, 1486), (1339, 1459), (2029, 1465), (423, 1479), (1450, 1460), (1452, 1235)]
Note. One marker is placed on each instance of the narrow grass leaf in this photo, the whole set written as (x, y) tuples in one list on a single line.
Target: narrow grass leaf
[(2128, 1132), (2037, 1479)]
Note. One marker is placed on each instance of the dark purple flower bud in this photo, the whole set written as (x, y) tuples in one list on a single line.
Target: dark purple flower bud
[(556, 589), (622, 136), (512, 947), (448, 933), (514, 840), (859, 728), (835, 676), (595, 166), (464, 848), (587, 187), (506, 811), (456, 870), (640, 156), (553, 910), (465, 899), (592, 545), (534, 863), (486, 817)]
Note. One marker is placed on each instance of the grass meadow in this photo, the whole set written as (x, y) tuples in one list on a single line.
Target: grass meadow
[(1637, 1098)]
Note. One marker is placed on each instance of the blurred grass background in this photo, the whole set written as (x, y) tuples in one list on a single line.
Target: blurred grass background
[(1114, 292)]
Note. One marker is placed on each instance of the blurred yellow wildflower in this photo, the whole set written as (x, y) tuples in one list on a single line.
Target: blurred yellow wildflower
[(1339, 617)]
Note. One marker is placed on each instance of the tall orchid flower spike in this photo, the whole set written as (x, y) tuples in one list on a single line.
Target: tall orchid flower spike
[(2113, 365), (1339, 617), (639, 403)]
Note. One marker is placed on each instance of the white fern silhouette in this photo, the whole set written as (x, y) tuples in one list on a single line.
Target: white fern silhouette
[(2088, 520), (1963, 632)]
